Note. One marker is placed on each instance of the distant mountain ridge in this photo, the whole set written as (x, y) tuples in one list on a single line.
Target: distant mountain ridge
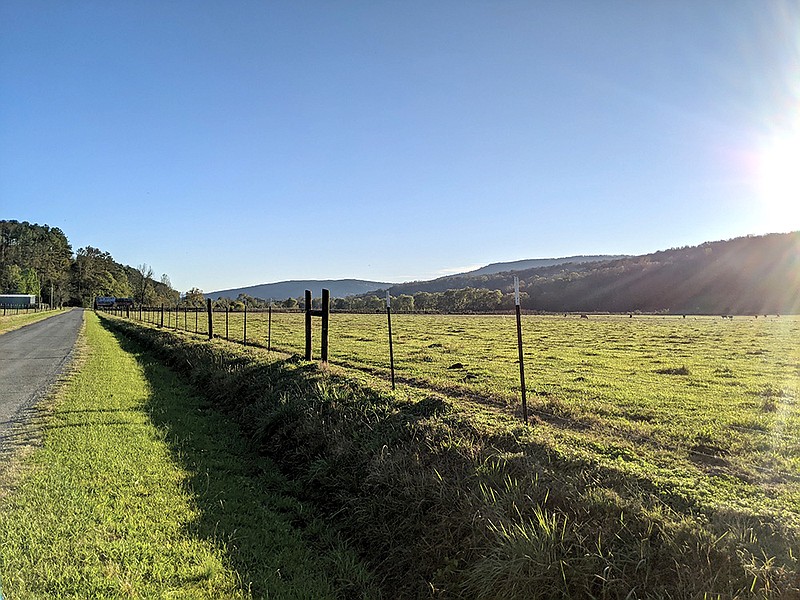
[(747, 275), (282, 290), (488, 277), (341, 288), (535, 263)]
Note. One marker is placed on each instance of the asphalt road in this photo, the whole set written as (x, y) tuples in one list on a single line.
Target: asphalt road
[(31, 359)]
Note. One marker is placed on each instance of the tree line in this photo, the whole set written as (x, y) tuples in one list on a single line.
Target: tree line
[(465, 300), (748, 275), (461, 300), (38, 259)]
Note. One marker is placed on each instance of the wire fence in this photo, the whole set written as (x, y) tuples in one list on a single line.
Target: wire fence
[(16, 309), (437, 346)]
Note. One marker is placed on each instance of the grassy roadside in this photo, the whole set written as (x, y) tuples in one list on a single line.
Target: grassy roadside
[(450, 499), (12, 322), (140, 491)]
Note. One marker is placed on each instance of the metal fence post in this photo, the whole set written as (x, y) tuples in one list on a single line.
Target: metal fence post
[(519, 348), (391, 350)]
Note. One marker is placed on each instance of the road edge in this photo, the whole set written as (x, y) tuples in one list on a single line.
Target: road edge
[(28, 435)]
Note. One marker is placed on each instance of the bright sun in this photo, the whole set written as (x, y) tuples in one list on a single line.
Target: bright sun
[(779, 180)]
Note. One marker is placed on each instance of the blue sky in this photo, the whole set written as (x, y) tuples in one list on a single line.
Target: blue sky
[(235, 143)]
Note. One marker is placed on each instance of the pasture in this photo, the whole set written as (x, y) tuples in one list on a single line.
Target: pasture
[(658, 447), (703, 405)]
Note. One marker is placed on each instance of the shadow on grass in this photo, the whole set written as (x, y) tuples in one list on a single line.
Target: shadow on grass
[(246, 507)]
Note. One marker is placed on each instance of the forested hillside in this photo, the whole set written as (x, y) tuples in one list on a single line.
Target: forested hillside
[(38, 259), (749, 275), (536, 263)]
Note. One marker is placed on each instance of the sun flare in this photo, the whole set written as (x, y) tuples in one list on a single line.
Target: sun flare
[(779, 179)]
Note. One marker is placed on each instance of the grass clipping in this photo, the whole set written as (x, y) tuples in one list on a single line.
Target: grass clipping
[(447, 501)]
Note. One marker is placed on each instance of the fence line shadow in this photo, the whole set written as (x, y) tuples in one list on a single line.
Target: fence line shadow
[(245, 505)]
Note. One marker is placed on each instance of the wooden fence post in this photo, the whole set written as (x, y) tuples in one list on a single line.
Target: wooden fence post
[(244, 332), (323, 312), (326, 314), (308, 323), (227, 312), (210, 319), (269, 328), (162, 316)]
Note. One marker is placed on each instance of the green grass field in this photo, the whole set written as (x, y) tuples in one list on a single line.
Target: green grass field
[(692, 422), (662, 451), (702, 398), (140, 491)]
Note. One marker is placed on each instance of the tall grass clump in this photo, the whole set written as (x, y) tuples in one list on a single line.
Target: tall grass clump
[(449, 500)]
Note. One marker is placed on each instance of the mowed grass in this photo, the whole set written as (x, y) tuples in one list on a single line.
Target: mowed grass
[(11, 322), (660, 462), (704, 406), (140, 491)]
